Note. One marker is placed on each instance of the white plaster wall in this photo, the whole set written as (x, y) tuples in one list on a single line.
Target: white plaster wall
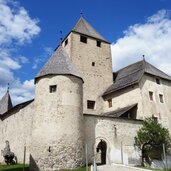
[(117, 133), (161, 110), (57, 138), (16, 128), (96, 78), (123, 98)]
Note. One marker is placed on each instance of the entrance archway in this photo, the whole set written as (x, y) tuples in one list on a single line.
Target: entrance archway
[(101, 150)]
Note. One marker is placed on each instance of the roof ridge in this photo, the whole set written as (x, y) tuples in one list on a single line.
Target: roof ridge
[(129, 65), (156, 69)]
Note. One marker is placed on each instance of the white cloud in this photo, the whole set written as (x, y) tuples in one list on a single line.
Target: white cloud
[(15, 23), (16, 29), (22, 92), (151, 39)]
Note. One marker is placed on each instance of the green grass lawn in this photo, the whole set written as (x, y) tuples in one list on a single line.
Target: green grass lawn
[(19, 167)]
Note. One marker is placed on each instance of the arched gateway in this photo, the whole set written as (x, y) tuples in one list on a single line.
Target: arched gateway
[(101, 150)]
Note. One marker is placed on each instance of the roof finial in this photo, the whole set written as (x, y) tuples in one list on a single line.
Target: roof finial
[(81, 13), (143, 57), (60, 37), (8, 85)]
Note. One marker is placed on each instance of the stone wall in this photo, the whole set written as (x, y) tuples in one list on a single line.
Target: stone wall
[(117, 133), (16, 127), (96, 78), (57, 138), (123, 98)]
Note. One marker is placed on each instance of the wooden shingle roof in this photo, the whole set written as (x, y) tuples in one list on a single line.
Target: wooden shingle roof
[(83, 27), (132, 74), (119, 112), (59, 64)]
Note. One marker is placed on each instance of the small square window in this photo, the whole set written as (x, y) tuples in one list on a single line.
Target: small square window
[(52, 88), (66, 42), (98, 43), (161, 98), (93, 63), (151, 95), (157, 81), (83, 39), (110, 103), (90, 104)]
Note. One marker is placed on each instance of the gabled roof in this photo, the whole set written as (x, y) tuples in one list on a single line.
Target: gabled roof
[(5, 103), (83, 27), (59, 64), (132, 74)]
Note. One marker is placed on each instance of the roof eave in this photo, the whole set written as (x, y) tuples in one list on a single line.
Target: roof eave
[(39, 77), (120, 88)]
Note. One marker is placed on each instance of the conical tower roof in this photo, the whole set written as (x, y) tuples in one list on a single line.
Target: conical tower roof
[(5, 103), (59, 64), (83, 27)]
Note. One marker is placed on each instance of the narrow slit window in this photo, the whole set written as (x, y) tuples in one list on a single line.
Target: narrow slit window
[(110, 103), (83, 39), (90, 104), (151, 95), (66, 42), (98, 43), (161, 98), (52, 88), (93, 63)]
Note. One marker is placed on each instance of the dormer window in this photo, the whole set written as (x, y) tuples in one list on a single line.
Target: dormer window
[(83, 39), (157, 80), (98, 44)]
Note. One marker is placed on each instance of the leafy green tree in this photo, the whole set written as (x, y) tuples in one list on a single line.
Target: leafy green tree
[(150, 139)]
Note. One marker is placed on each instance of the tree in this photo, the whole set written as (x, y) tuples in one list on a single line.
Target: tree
[(150, 139)]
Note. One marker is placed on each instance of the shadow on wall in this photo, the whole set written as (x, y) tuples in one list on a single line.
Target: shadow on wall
[(33, 165)]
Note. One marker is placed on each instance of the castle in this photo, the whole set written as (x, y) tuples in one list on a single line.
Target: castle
[(80, 102)]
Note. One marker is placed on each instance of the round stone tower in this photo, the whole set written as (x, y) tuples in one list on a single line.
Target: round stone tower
[(58, 137)]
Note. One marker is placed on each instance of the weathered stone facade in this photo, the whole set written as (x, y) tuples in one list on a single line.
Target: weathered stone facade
[(57, 133), (79, 102), (16, 127), (99, 75)]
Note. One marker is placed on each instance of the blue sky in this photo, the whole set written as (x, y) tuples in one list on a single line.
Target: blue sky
[(30, 31)]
